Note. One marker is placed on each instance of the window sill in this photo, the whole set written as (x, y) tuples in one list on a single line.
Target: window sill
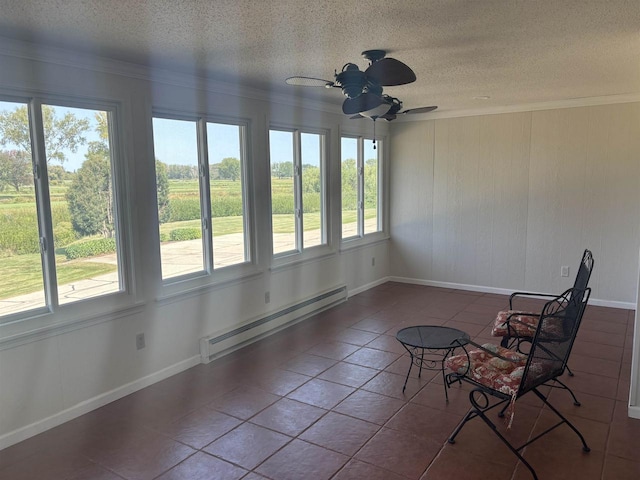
[(49, 324), (362, 242), (294, 259)]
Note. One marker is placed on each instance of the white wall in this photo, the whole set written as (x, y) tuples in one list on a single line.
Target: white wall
[(47, 379), (503, 201)]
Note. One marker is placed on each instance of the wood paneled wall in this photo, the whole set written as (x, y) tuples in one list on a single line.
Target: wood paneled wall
[(505, 200)]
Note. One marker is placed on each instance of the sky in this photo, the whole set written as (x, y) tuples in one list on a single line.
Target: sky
[(175, 141)]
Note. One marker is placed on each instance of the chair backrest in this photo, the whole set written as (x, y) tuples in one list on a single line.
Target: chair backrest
[(581, 283), (548, 355), (584, 271)]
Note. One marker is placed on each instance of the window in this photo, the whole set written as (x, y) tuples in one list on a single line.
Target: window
[(361, 187), (201, 186), (61, 234), (297, 190)]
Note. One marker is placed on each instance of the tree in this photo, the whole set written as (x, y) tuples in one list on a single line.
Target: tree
[(182, 172), (282, 170), (371, 183), (229, 169), (311, 179), (349, 178), (57, 173), (90, 197), (162, 188), (61, 134), (15, 169)]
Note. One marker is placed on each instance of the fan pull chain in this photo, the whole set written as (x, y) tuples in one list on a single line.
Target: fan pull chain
[(374, 133)]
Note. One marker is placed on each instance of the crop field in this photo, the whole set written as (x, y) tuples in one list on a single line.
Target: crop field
[(20, 261)]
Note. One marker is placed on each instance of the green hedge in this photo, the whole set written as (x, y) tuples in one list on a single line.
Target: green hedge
[(226, 206), (19, 229), (311, 202), (180, 234), (90, 248), (64, 234), (282, 204), (183, 209)]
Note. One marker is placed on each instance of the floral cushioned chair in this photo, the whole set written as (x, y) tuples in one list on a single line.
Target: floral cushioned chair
[(505, 375), (517, 326)]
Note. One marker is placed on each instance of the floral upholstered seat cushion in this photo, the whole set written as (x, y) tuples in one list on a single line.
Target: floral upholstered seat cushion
[(494, 372), (489, 370), (514, 323)]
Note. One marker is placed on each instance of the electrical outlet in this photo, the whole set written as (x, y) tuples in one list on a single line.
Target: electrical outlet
[(564, 271), (140, 343), (267, 296), (373, 261)]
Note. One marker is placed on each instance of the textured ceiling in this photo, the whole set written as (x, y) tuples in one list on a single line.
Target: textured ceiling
[(515, 52)]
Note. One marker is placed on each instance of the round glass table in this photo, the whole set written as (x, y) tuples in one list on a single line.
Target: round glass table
[(429, 346)]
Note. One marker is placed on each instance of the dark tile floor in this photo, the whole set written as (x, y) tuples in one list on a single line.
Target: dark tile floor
[(323, 399)]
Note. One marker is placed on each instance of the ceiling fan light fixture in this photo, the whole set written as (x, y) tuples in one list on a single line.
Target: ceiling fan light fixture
[(384, 108), (378, 111)]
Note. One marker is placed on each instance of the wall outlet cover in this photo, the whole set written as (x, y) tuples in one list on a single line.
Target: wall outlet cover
[(140, 343)]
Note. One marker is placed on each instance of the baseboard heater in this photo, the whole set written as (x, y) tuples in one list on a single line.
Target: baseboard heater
[(222, 343)]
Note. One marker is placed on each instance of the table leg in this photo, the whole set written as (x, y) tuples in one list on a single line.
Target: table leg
[(444, 381), (409, 372)]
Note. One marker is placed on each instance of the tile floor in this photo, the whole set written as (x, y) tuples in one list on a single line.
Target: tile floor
[(323, 400)]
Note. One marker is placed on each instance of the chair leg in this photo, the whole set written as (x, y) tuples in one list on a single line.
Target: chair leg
[(585, 447), (569, 372), (470, 414), (478, 410), (565, 387)]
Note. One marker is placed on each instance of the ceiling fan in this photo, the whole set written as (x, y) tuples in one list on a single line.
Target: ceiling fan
[(389, 110), (363, 89)]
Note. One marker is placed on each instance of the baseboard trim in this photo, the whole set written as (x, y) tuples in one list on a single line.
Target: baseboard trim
[(500, 291), (86, 406), (364, 288)]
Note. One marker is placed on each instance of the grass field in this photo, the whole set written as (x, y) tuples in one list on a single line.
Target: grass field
[(22, 274)]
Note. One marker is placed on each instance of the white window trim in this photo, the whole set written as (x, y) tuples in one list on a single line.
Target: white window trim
[(302, 254), (362, 239), (54, 318), (208, 278)]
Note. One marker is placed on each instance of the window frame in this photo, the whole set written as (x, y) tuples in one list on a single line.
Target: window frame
[(209, 276), (361, 238), (301, 253), (53, 316)]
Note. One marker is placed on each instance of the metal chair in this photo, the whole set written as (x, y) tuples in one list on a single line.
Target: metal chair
[(505, 375), (517, 326)]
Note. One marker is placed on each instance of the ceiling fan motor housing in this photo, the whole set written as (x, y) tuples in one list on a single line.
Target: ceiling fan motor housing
[(352, 80)]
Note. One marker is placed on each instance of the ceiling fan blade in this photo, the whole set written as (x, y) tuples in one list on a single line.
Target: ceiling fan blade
[(354, 117), (389, 72), (362, 103), (389, 116), (309, 82), (420, 110)]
